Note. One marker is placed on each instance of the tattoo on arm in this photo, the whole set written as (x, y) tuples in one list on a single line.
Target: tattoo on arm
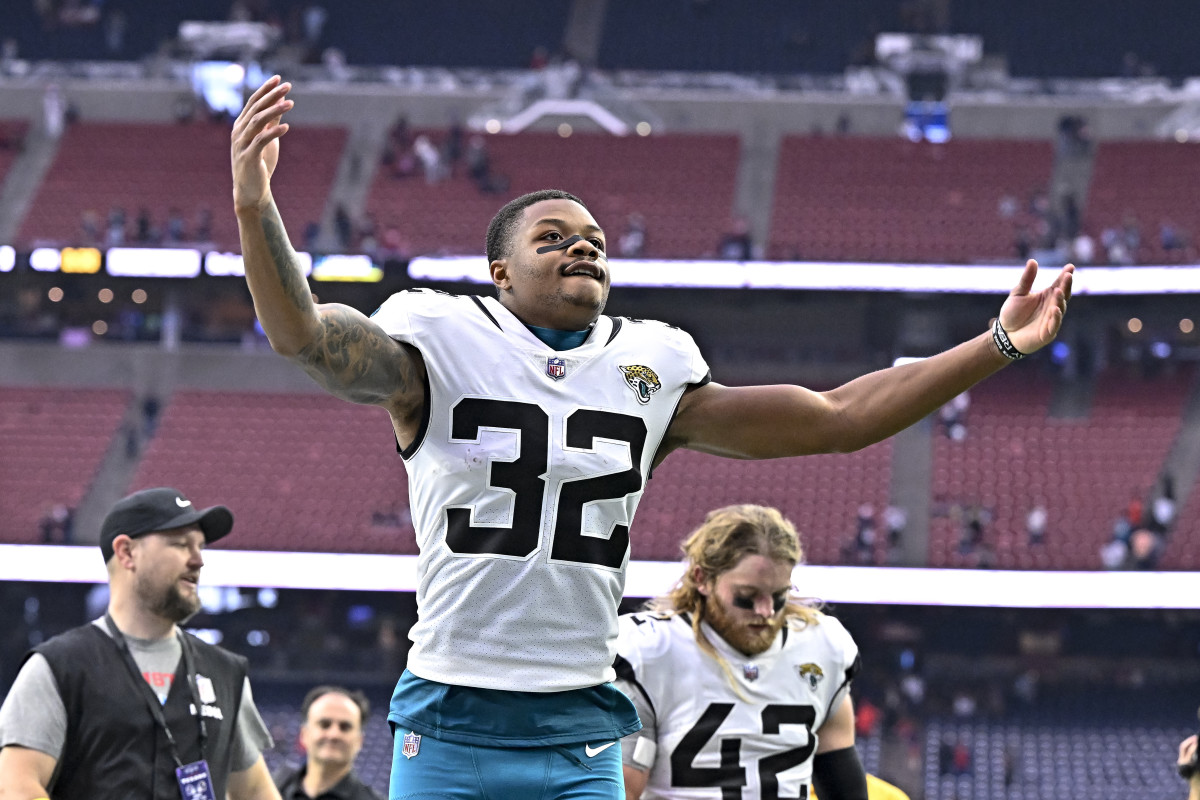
[(355, 360), (284, 258)]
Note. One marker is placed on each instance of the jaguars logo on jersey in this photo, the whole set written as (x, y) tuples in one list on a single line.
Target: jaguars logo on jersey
[(812, 673), (643, 380)]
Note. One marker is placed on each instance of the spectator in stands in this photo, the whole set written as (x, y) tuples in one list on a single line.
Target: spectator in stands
[(1188, 768), (479, 168), (54, 111), (736, 244), (58, 524), (975, 519), (1118, 250), (144, 231), (541, 657), (430, 158), (89, 227), (115, 236), (864, 534), (1035, 523), (452, 147), (1022, 242), (332, 737), (97, 712), (1145, 549), (150, 411), (1173, 239), (1162, 509), (632, 243), (176, 228), (1083, 248), (1114, 554), (895, 520), (1134, 510), (202, 229), (343, 227), (1011, 766), (954, 416)]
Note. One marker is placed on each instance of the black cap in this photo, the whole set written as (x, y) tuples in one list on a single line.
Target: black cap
[(161, 509)]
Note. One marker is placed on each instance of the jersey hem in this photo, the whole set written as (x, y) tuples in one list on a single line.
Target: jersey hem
[(461, 737)]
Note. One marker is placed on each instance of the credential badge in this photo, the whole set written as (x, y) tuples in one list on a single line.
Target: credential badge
[(556, 368), (412, 744), (205, 688)]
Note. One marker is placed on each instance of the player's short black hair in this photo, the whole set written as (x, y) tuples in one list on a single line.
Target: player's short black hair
[(317, 692), (504, 224)]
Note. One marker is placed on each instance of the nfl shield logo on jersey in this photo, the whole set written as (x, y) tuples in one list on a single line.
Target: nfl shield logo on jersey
[(412, 744), (556, 368), (750, 671)]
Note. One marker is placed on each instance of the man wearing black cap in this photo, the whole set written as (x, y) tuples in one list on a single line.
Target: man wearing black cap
[(109, 709)]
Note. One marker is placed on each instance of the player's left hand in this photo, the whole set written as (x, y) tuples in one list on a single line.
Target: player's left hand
[(1032, 320)]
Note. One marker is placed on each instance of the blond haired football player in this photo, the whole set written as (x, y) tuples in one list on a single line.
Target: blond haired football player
[(739, 685)]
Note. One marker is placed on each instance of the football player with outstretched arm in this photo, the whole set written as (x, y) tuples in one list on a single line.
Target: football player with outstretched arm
[(528, 423)]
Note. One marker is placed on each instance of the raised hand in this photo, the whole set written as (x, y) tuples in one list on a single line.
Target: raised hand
[(1032, 320), (255, 144)]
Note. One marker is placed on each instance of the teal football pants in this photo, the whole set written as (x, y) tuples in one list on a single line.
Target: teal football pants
[(449, 771)]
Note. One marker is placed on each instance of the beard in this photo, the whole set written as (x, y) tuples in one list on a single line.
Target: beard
[(167, 602), (737, 633)]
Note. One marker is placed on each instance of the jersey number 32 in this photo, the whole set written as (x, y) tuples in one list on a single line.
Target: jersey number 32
[(525, 477)]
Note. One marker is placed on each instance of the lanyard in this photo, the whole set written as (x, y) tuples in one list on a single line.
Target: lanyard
[(148, 693)]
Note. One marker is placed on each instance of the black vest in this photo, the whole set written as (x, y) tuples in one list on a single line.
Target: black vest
[(114, 748)]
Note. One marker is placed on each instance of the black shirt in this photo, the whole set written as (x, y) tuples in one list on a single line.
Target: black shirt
[(291, 787)]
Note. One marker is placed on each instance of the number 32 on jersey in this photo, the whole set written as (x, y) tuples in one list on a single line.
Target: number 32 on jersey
[(527, 476)]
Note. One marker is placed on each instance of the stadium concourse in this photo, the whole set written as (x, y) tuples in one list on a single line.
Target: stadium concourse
[(751, 162)]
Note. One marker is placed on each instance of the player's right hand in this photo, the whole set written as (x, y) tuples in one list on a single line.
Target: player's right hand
[(255, 145)]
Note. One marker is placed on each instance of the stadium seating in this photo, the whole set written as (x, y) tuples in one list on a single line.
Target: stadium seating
[(300, 472), (51, 445), (313, 473), (1145, 180), (869, 199), (100, 166), (1090, 742), (1084, 470), (819, 494), (681, 184)]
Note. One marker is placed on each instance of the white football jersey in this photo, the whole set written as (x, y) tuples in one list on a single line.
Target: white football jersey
[(711, 743), (523, 482)]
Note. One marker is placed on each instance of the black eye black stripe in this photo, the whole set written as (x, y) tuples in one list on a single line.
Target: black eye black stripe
[(563, 245)]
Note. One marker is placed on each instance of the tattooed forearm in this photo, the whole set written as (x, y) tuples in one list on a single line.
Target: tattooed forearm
[(355, 360), (284, 258)]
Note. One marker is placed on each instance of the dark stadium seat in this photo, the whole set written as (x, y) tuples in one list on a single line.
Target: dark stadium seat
[(819, 494), (1084, 470), (871, 199), (51, 444), (100, 166), (1150, 183), (302, 472), (681, 184)]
